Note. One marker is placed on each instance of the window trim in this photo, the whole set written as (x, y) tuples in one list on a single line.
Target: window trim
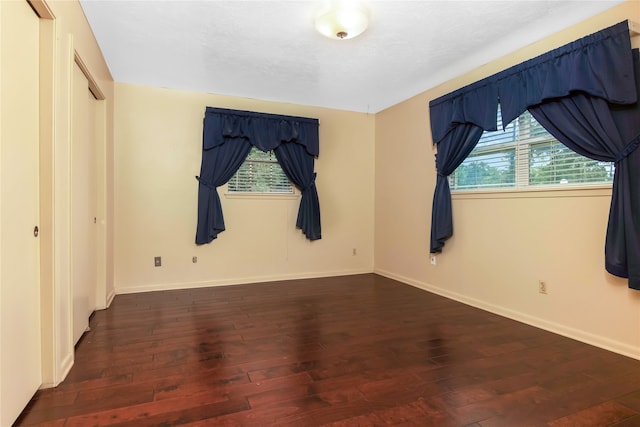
[(537, 192), (257, 195)]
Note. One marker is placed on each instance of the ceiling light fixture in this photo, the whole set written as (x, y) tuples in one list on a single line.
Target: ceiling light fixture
[(342, 20)]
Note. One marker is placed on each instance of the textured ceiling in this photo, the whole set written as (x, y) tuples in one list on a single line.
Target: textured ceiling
[(269, 49)]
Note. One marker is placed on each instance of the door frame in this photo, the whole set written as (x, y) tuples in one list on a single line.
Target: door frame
[(57, 56)]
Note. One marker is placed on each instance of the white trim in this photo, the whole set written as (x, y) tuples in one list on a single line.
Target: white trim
[(235, 281), (557, 328), (110, 297), (62, 371), (594, 190), (266, 196)]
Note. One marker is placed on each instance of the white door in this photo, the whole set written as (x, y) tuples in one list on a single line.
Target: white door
[(83, 204), (20, 348)]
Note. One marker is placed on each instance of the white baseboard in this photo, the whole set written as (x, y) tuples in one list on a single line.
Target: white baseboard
[(110, 297), (235, 281), (61, 372), (65, 367), (567, 331)]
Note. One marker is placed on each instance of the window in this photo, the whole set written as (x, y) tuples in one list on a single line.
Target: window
[(260, 173), (525, 155)]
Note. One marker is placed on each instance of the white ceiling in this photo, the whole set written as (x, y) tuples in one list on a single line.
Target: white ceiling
[(269, 49)]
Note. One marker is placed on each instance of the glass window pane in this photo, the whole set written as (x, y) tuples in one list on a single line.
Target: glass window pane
[(260, 173), (557, 164), (487, 171), (525, 154)]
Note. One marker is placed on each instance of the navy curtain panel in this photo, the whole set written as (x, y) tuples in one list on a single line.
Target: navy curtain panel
[(594, 128), (455, 147), (597, 70), (298, 166), (218, 166), (228, 136)]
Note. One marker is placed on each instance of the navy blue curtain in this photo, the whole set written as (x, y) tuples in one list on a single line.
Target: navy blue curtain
[(455, 147), (219, 164), (298, 166), (227, 139), (591, 77), (596, 129)]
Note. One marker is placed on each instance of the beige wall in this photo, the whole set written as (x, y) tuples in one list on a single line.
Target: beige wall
[(503, 244), (158, 140)]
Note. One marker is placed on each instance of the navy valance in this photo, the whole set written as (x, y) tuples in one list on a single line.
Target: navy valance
[(265, 131), (600, 65)]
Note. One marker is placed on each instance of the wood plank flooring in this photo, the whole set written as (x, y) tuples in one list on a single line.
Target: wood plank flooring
[(345, 351)]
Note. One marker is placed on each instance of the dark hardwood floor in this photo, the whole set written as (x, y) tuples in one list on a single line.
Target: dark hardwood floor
[(345, 351)]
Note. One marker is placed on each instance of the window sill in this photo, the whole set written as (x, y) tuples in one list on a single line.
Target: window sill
[(599, 190), (264, 196)]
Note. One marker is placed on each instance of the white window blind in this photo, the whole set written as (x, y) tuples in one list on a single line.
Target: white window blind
[(525, 155), (260, 173)]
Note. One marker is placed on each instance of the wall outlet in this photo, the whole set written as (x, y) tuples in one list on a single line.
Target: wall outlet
[(157, 261), (354, 252), (433, 260), (542, 287), (194, 259)]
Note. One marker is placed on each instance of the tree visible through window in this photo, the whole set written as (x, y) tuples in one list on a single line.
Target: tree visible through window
[(523, 155), (260, 173)]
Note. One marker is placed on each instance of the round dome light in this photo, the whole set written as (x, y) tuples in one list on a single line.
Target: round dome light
[(342, 21)]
